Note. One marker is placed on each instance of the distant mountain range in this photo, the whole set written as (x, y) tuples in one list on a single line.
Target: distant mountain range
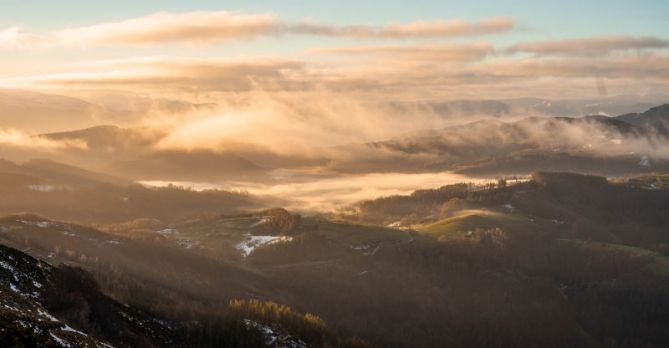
[(626, 144), (38, 112), (527, 107), (71, 193), (132, 153)]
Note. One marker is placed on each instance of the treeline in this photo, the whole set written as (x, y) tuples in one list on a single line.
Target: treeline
[(414, 206), (307, 327), (207, 323), (277, 221), (425, 205)]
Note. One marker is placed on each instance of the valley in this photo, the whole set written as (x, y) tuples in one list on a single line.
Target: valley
[(444, 251), (334, 174)]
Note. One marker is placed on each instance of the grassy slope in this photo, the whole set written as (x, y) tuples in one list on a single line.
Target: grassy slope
[(457, 227)]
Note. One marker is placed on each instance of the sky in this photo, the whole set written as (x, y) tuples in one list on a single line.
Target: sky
[(568, 17), (47, 44), (297, 79), (317, 61)]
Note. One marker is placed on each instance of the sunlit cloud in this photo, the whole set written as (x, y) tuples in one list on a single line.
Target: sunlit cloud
[(219, 26), (18, 139), (590, 46), (16, 37), (650, 66), (443, 53), (332, 193), (174, 74), (193, 27), (380, 72), (10, 37), (412, 30)]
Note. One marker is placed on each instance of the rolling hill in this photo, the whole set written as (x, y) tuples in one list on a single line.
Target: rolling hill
[(460, 266), (70, 193)]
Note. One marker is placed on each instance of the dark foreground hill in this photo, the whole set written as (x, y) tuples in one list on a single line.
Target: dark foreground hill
[(50, 306), (46, 306)]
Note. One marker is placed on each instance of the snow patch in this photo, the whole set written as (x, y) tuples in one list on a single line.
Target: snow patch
[(66, 328), (167, 232), (253, 242), (274, 338), (59, 340), (7, 266), (187, 243), (41, 224), (42, 188), (367, 249), (11, 308), (47, 315)]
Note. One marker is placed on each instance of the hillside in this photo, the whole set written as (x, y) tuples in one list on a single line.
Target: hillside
[(50, 306), (460, 266), (47, 306), (70, 193), (564, 205), (40, 112), (134, 153), (655, 118)]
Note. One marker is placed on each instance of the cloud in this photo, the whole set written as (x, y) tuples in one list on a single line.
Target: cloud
[(391, 73), (10, 37), (443, 53), (219, 26), (594, 46), (192, 27), (292, 123), (648, 66), (330, 194), (413, 30), (172, 74), (16, 37), (17, 139)]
